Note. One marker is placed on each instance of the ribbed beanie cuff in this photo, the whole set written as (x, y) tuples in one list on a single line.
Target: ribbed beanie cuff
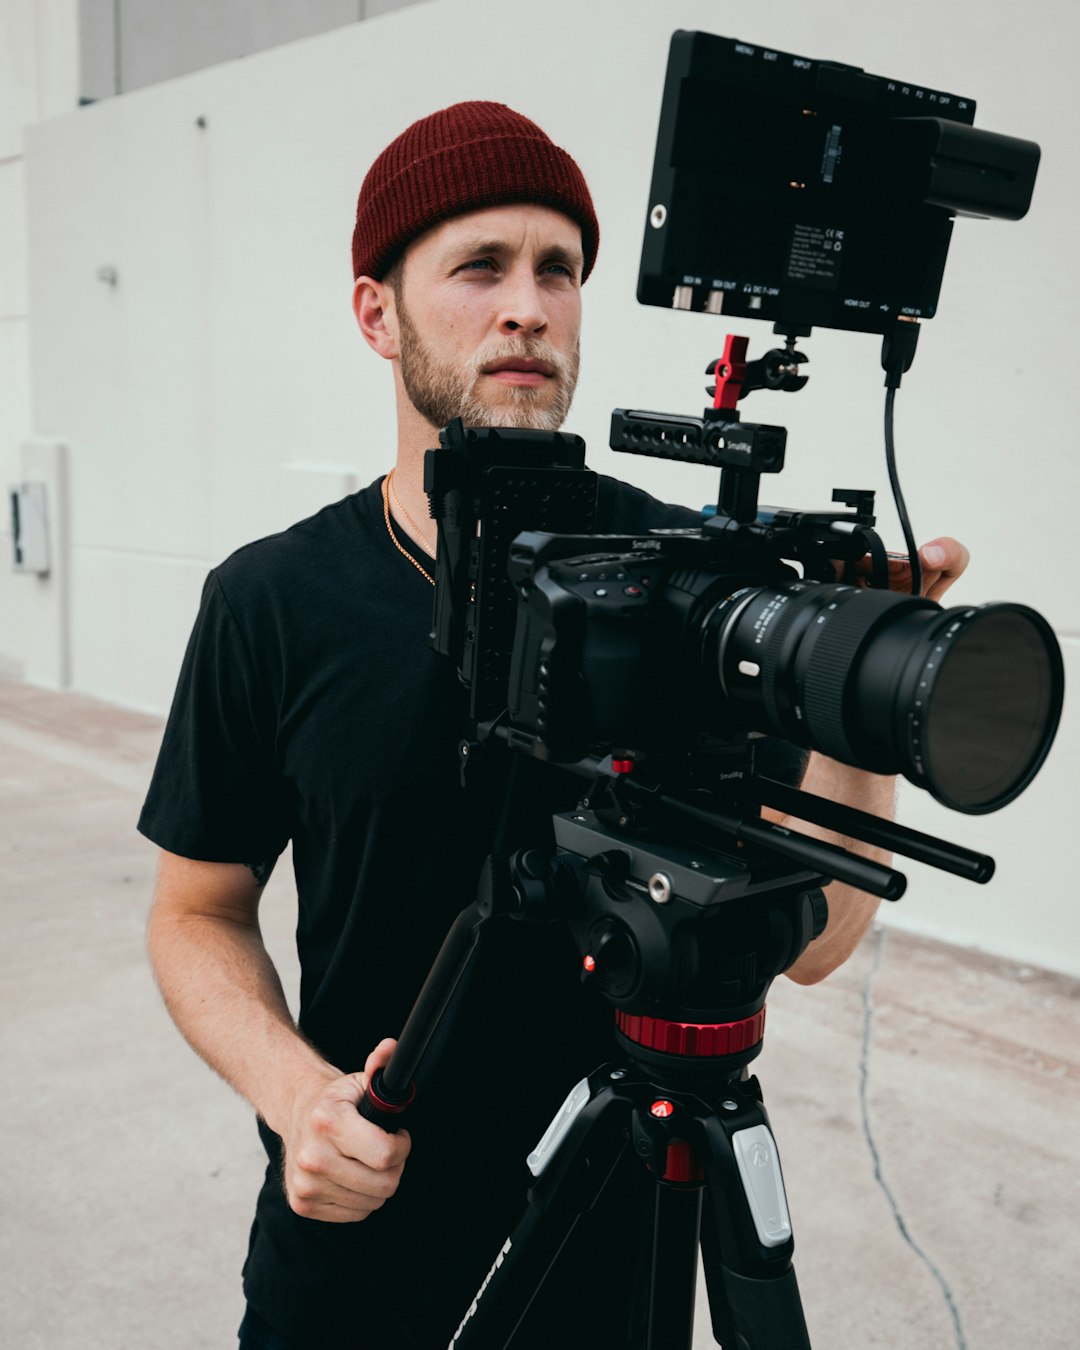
[(464, 158)]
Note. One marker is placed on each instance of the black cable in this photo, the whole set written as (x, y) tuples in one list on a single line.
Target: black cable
[(897, 353), (879, 561), (898, 496)]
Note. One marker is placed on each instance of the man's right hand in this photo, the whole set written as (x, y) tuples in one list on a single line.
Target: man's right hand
[(225, 996), (339, 1167)]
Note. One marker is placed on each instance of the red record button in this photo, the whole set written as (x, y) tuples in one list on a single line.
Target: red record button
[(662, 1109)]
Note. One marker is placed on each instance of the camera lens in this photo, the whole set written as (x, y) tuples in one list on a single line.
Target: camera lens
[(963, 702)]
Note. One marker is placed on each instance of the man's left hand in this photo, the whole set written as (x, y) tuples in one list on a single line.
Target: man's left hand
[(942, 561)]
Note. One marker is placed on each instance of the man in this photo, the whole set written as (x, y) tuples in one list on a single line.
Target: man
[(310, 707)]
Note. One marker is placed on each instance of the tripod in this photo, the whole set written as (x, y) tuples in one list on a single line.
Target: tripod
[(709, 1139), (685, 941)]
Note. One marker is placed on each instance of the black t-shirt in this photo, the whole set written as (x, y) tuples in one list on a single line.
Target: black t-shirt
[(311, 707)]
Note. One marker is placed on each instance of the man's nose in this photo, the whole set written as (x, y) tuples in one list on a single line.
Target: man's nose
[(522, 307)]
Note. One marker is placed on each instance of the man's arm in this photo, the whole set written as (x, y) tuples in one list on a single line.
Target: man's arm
[(225, 996), (851, 911)]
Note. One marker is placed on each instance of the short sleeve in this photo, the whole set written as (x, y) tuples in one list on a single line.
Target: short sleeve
[(217, 794)]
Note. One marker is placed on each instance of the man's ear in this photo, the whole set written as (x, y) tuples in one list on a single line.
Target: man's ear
[(373, 305)]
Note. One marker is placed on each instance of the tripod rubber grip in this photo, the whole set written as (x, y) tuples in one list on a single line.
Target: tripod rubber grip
[(766, 1312), (382, 1107)]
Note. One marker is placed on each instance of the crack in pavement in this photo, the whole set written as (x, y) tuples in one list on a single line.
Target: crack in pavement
[(868, 1135)]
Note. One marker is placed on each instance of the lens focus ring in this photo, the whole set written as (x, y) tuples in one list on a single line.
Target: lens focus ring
[(826, 663)]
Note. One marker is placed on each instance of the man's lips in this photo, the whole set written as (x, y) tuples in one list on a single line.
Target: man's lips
[(521, 370)]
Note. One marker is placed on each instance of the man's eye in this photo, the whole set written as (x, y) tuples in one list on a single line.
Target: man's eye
[(477, 264)]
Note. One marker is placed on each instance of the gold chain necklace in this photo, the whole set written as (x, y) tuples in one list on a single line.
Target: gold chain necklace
[(401, 507), (386, 487)]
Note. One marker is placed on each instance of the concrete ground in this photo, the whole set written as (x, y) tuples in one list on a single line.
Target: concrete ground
[(945, 1215)]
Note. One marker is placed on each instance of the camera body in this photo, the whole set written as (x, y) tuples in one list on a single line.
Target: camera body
[(611, 647)]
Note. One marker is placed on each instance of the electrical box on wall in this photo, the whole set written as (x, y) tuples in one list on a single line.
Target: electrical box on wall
[(30, 528)]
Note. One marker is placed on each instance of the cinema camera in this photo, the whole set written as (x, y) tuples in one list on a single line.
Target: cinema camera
[(832, 206), (653, 666)]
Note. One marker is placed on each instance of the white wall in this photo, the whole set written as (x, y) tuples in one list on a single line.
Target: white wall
[(220, 391), (128, 44), (38, 78)]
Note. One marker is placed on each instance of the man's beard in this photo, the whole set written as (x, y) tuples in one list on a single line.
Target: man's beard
[(443, 390)]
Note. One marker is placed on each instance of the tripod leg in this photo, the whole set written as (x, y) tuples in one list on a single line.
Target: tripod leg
[(582, 1159), (746, 1236), (514, 1280), (674, 1268)]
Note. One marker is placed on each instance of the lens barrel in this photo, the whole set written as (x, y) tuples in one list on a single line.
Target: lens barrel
[(964, 702)]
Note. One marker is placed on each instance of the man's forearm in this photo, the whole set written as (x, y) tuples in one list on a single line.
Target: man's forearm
[(850, 911), (225, 996)]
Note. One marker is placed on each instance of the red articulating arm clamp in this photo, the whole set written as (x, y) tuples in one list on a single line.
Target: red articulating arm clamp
[(730, 371)]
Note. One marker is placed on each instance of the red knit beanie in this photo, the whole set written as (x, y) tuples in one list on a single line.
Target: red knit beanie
[(461, 159)]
